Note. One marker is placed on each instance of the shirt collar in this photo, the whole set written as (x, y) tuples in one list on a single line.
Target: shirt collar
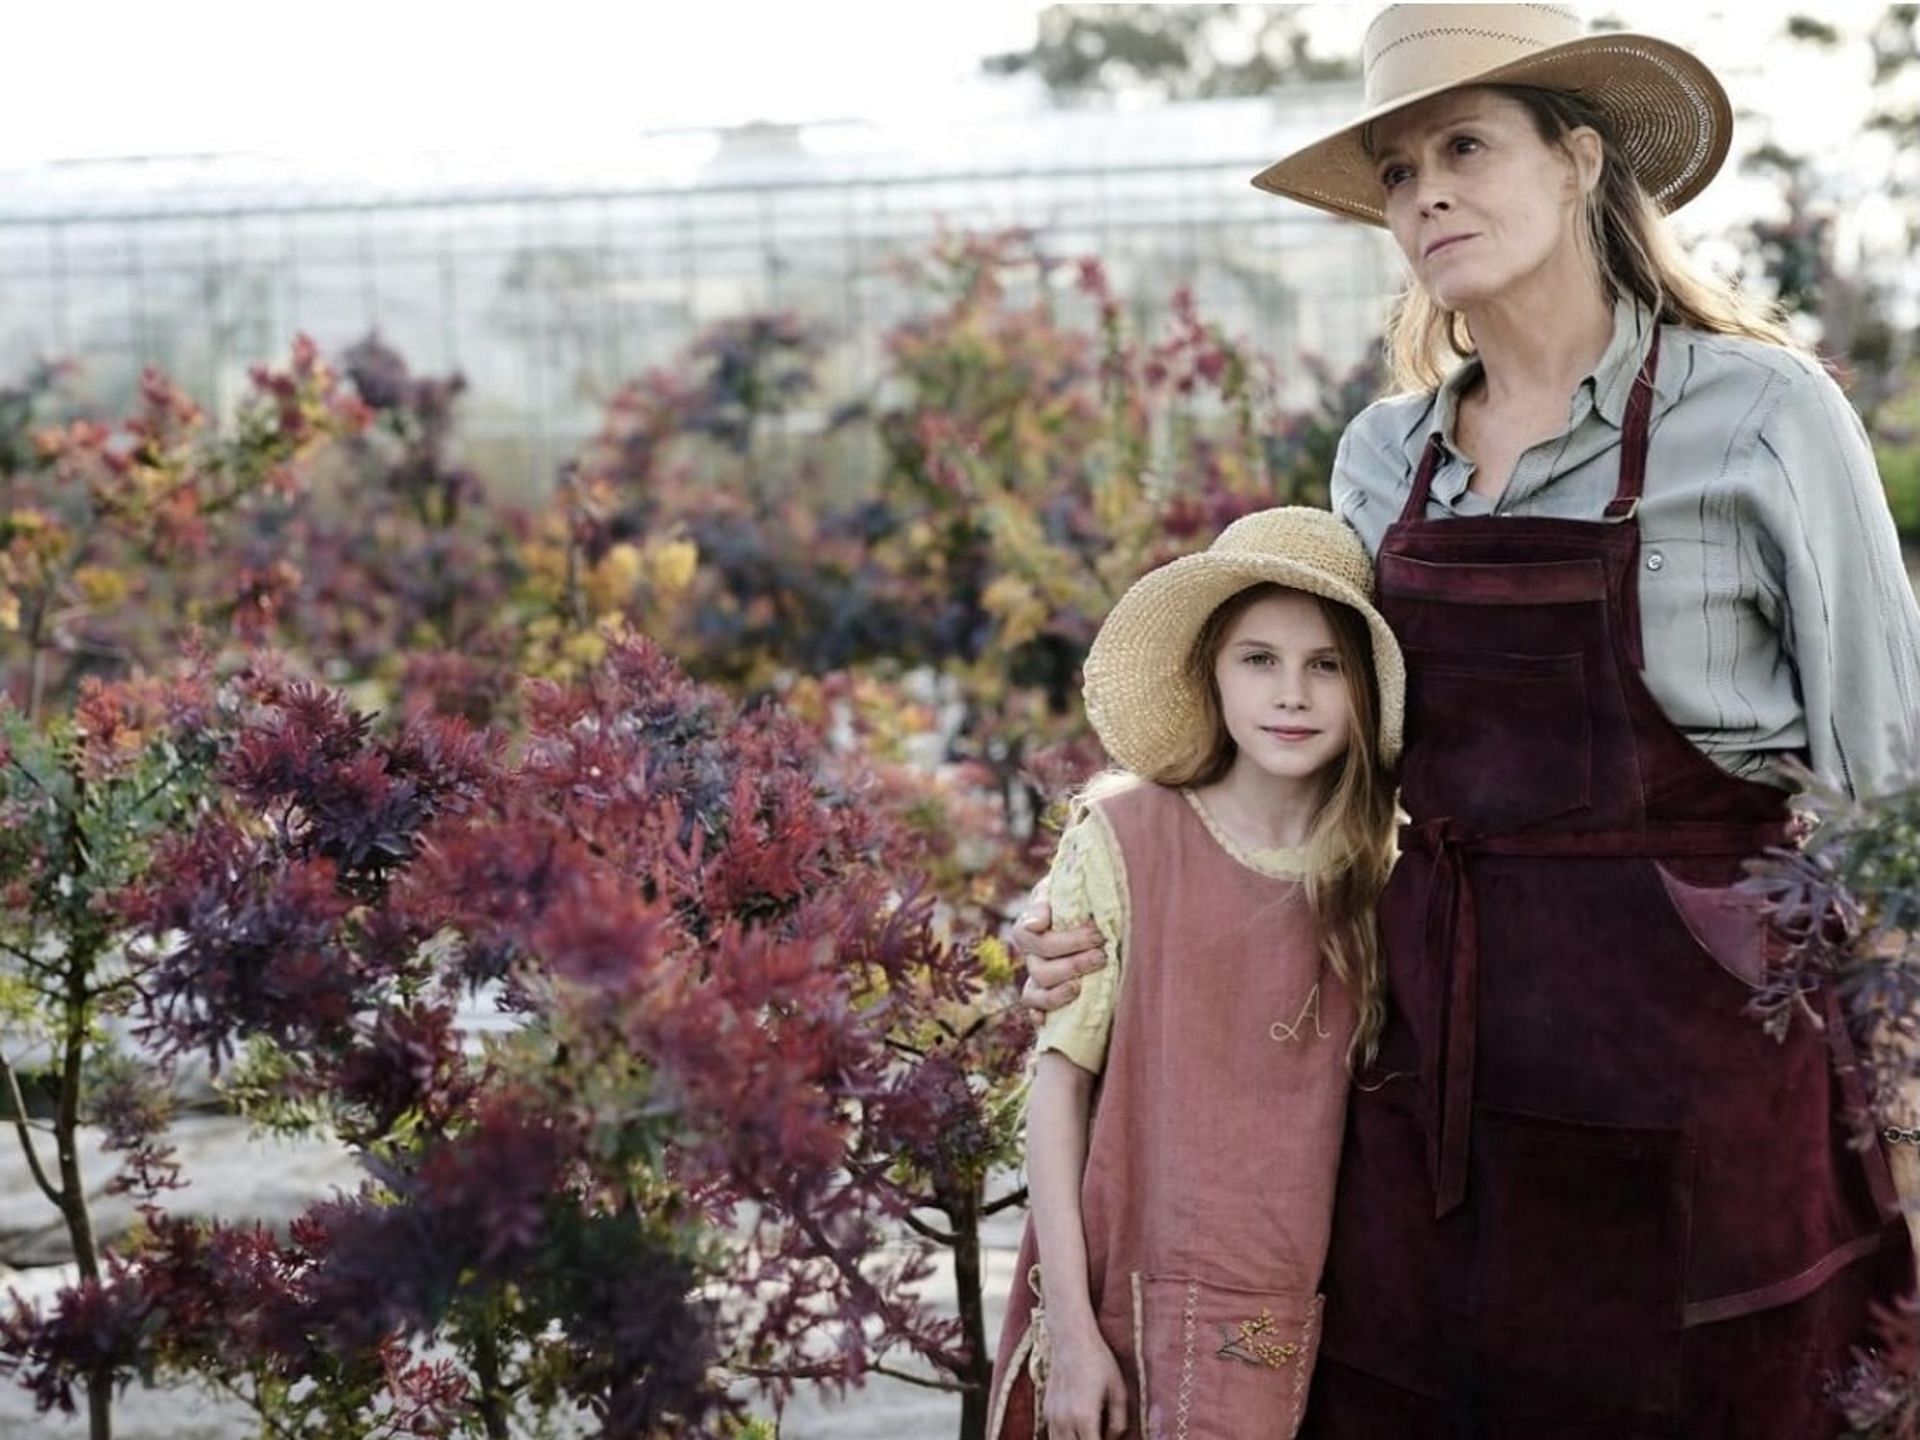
[(1611, 380), (1605, 387)]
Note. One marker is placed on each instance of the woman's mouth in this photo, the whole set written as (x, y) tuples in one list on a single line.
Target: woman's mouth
[(1443, 243)]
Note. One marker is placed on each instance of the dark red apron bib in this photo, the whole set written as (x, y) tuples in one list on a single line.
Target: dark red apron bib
[(1576, 1147)]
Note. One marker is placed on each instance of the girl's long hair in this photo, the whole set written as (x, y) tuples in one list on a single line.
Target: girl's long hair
[(1350, 847), (1628, 237)]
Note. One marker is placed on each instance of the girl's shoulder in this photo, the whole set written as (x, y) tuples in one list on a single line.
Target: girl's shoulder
[(1119, 796)]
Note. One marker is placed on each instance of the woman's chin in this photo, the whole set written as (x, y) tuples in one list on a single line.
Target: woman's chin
[(1458, 292)]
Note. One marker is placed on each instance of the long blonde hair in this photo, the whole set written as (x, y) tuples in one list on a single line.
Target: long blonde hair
[(1351, 840), (1634, 251)]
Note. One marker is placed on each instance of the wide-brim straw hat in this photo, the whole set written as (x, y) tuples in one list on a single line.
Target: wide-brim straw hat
[(1145, 706), (1669, 113)]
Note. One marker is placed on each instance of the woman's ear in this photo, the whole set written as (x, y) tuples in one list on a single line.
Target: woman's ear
[(1587, 152)]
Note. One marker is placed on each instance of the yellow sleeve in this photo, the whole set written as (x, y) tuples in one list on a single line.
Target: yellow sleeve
[(1088, 882)]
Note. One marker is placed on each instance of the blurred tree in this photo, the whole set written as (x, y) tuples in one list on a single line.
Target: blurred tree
[(1174, 52), (1860, 288)]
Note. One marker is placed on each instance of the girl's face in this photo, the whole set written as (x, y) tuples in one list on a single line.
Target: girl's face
[(1282, 693), (1477, 201)]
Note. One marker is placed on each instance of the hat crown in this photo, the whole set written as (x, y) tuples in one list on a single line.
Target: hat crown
[(1305, 535), (1414, 48)]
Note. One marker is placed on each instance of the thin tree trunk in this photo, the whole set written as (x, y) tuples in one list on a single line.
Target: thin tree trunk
[(964, 1216), (73, 1190), (486, 1367)]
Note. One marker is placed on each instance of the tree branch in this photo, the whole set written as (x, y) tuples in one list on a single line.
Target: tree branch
[(828, 1370), (931, 1232), (253, 1403), (928, 1382), (26, 957), (1005, 1202), (25, 1132)]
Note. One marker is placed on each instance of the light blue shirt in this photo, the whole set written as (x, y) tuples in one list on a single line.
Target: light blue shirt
[(1776, 613)]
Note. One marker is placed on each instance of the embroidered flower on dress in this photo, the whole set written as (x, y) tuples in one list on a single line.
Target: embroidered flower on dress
[(1254, 1345)]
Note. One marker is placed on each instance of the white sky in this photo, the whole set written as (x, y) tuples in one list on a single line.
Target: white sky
[(113, 77)]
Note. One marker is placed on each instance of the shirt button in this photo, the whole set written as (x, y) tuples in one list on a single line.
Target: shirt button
[(1656, 560)]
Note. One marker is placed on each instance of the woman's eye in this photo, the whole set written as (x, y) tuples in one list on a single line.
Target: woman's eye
[(1259, 658), (1393, 175), (1465, 144)]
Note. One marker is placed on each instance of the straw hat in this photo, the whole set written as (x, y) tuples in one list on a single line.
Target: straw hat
[(1141, 700), (1669, 113)]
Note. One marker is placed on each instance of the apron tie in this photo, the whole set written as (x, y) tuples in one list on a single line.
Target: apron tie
[(1453, 947)]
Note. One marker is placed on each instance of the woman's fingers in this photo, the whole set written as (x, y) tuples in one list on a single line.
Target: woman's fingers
[(1034, 924), (1042, 944)]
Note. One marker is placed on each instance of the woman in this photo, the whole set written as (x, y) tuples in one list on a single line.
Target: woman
[(1634, 546)]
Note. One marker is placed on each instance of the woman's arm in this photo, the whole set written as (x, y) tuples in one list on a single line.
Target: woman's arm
[(1851, 623), (1085, 1397)]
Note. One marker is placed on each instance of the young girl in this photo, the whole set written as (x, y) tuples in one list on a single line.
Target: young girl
[(1253, 697)]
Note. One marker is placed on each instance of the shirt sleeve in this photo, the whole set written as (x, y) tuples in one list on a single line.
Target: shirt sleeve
[(1851, 625), (1087, 882)]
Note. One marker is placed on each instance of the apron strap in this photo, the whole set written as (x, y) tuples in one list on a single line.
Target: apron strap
[(1416, 506), (1633, 437), (1625, 504)]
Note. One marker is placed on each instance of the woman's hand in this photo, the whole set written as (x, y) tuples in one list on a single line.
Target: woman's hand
[(1056, 959), (1086, 1398)]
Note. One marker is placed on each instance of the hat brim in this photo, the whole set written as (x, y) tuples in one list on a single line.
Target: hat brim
[(1669, 112), (1140, 699)]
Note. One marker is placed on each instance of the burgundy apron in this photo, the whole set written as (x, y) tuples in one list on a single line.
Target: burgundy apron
[(1576, 1149)]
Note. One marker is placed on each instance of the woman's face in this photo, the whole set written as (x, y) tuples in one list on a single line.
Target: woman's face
[(1479, 203)]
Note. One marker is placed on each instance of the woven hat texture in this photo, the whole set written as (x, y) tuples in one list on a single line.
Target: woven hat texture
[(1670, 114), (1140, 700)]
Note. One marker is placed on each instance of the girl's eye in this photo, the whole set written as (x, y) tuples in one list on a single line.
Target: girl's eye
[(1259, 657), (1326, 665)]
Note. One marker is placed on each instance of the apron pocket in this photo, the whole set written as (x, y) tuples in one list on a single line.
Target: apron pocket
[(1474, 722), (1729, 925), (1582, 1260), (1219, 1363)]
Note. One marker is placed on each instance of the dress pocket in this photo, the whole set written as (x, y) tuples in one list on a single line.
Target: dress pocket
[(1222, 1363), (1579, 1289), (1475, 719)]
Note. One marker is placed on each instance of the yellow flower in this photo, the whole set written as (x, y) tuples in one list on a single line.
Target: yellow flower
[(100, 586), (9, 610), (585, 647), (671, 565), (995, 960), (1020, 610), (612, 581)]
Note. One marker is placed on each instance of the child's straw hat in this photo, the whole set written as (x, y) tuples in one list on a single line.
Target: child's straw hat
[(1142, 702)]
